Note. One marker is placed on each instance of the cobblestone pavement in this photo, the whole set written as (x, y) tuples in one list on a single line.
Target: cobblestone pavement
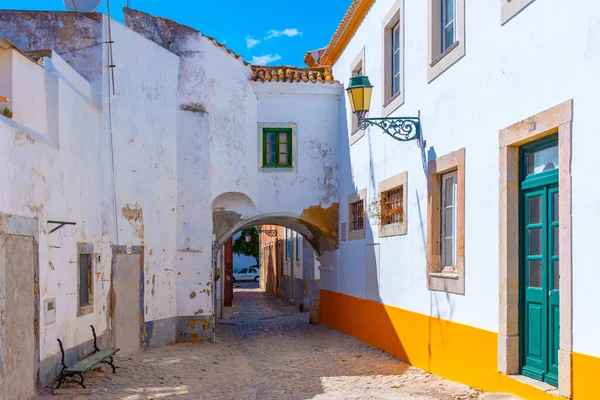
[(268, 350)]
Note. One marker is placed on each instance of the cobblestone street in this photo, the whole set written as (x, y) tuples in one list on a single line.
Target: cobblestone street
[(267, 350)]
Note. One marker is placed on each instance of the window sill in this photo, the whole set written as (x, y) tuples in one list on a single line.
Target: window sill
[(391, 99), (85, 310), (444, 275), (388, 230), (445, 53), (356, 135), (284, 170)]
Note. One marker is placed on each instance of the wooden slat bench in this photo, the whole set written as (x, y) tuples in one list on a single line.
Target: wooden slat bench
[(98, 356)]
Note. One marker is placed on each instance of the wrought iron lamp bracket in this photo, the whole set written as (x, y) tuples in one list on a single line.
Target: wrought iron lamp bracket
[(403, 129), (269, 232)]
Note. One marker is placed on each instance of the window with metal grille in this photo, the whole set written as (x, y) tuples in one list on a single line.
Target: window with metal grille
[(357, 211), (277, 147), (392, 207)]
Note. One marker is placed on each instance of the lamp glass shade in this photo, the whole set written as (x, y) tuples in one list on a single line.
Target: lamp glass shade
[(359, 92)]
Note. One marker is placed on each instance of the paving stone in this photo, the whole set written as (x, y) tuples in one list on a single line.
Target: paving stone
[(266, 349)]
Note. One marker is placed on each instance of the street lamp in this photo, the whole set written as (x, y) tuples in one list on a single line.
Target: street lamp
[(402, 129)]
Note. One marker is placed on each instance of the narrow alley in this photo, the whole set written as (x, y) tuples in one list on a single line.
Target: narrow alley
[(267, 350)]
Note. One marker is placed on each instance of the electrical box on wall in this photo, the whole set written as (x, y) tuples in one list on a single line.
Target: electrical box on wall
[(49, 311)]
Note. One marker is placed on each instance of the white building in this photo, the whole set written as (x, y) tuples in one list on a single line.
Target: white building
[(459, 285), (423, 250), (153, 171)]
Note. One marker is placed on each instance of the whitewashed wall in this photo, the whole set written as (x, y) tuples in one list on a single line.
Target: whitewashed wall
[(508, 73), (48, 182)]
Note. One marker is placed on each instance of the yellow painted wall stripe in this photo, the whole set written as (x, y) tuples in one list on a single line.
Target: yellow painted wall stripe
[(454, 351)]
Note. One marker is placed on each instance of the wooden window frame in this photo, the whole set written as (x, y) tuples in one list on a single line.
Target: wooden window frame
[(277, 153), (394, 17), (440, 60), (357, 234), (440, 278), (510, 8), (397, 181), (261, 147), (86, 249)]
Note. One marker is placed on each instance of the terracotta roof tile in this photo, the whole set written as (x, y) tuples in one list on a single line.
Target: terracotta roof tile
[(292, 74)]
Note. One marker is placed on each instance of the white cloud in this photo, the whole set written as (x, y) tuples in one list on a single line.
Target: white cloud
[(251, 42), (290, 32), (266, 59)]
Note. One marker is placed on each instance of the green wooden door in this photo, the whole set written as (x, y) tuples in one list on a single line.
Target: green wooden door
[(539, 276)]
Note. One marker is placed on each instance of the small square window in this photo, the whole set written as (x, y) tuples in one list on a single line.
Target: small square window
[(357, 215), (357, 211), (392, 200), (392, 206), (277, 147)]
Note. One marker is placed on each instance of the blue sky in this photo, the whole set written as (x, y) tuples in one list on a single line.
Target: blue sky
[(263, 32)]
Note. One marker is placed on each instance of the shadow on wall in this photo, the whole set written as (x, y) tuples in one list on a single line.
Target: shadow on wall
[(396, 331)]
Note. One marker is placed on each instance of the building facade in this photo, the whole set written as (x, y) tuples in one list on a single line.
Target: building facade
[(469, 256), (148, 145), (133, 153)]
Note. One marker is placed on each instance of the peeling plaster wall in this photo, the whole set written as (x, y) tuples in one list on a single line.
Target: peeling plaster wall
[(65, 172), (144, 120), (47, 182)]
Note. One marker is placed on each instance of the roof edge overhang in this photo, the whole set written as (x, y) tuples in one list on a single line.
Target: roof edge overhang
[(354, 16)]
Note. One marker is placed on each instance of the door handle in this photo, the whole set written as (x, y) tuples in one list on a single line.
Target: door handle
[(550, 293)]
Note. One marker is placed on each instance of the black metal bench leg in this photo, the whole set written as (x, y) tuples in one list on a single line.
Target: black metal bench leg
[(111, 363), (81, 382), (61, 379)]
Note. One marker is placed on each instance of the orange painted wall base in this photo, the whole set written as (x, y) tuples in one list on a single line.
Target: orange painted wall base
[(451, 350)]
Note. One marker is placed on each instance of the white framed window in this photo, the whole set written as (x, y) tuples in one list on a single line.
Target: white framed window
[(446, 35), (395, 56), (446, 222), (357, 68), (356, 72), (448, 24), (449, 217)]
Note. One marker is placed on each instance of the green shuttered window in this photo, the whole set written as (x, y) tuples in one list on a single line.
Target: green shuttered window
[(277, 148)]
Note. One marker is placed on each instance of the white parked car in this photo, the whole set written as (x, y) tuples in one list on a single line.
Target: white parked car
[(247, 274)]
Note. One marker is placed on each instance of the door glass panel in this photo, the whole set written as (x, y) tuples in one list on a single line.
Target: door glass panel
[(283, 159), (283, 147), (270, 147), (542, 160), (535, 209), (555, 206), (535, 241), (283, 137), (535, 273), (271, 137), (271, 158), (555, 240), (556, 275)]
